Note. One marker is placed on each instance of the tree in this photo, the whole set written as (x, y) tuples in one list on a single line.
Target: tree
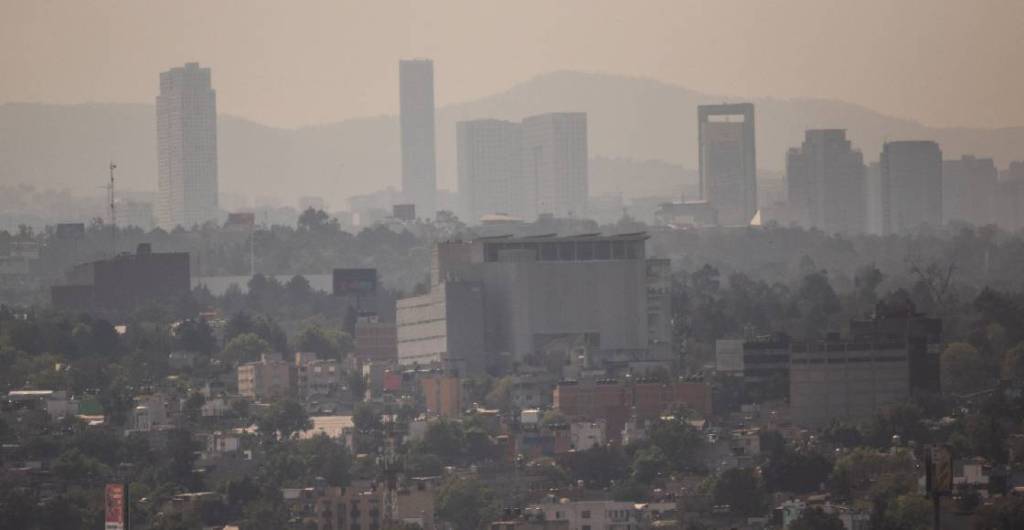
[(326, 458), (313, 220), (796, 471), (326, 343), (195, 336), (1006, 513), (679, 441), (598, 466), (815, 518), (365, 418), (741, 489), (283, 420), (444, 439), (466, 504), (817, 302), (244, 348), (648, 463), (963, 369)]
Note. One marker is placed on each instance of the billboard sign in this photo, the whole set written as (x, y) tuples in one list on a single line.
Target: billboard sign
[(355, 282), (73, 231), (114, 503)]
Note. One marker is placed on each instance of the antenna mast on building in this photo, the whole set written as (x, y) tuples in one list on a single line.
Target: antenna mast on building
[(113, 210)]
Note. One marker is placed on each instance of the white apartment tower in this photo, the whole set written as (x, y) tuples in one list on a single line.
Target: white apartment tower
[(186, 123)]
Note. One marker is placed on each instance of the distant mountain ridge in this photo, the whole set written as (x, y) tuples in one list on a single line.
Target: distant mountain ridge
[(630, 119)]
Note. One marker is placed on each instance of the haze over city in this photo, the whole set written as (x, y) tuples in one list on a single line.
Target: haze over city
[(564, 265)]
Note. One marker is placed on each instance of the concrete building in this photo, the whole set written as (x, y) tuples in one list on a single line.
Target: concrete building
[(350, 508), (268, 378), (442, 395), (762, 363), (419, 165), (587, 434), (592, 301), (490, 168), (615, 402), (186, 123), (317, 377), (969, 187), (846, 381), (443, 328), (604, 514), (825, 180), (873, 199), (728, 161), (911, 177), (554, 165), (376, 341), (1010, 197), (414, 501), (896, 321), (125, 282)]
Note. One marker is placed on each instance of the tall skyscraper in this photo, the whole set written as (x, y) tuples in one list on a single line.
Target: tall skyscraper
[(419, 166), (728, 161), (489, 166), (554, 166), (186, 123), (969, 190), (825, 182), (911, 185)]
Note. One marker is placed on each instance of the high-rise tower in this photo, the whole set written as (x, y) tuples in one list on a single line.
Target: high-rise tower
[(419, 167), (186, 123), (728, 161)]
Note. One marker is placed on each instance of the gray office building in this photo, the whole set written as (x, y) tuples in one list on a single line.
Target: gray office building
[(419, 166), (490, 168), (969, 187), (911, 178), (825, 181), (554, 166), (728, 161), (597, 302), (186, 123)]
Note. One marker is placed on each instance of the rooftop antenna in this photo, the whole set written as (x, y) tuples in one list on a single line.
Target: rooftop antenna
[(113, 210)]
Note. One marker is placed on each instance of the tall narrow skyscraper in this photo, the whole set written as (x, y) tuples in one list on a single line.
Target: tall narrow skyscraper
[(489, 166), (554, 166), (419, 167), (825, 182), (186, 123), (728, 161), (911, 185)]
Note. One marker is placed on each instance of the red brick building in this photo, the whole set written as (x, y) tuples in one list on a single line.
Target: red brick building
[(614, 401)]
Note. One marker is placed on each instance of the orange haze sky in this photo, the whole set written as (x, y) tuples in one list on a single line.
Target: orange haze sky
[(291, 63)]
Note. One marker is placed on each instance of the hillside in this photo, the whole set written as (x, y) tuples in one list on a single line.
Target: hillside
[(631, 123)]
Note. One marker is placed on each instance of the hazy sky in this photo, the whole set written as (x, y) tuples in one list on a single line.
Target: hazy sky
[(289, 63)]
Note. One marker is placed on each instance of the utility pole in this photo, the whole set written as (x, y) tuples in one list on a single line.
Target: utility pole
[(113, 210)]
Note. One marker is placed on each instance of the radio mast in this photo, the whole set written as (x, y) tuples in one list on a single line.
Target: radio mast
[(113, 210)]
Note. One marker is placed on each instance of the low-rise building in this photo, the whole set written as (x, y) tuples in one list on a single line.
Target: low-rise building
[(268, 378), (376, 341), (351, 508), (845, 381), (442, 395), (615, 402)]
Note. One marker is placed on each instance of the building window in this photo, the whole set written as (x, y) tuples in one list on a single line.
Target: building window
[(585, 514)]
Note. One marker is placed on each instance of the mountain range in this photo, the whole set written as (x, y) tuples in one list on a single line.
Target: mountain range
[(642, 140)]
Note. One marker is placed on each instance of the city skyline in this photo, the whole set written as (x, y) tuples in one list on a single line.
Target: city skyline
[(876, 40)]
